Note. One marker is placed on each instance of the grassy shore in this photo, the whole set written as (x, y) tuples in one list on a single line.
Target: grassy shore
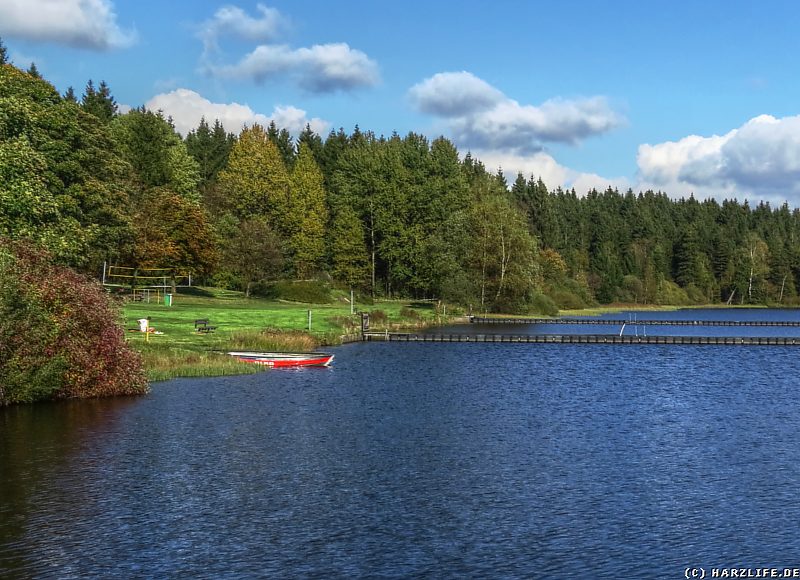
[(176, 349), (611, 308)]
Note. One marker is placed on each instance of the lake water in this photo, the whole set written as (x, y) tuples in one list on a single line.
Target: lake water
[(419, 460)]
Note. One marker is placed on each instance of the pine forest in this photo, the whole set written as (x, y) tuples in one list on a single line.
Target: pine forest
[(387, 216)]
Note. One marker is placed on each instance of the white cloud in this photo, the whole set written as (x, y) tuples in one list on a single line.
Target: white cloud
[(760, 159), (543, 165), (583, 182), (513, 127), (321, 68), (480, 116), (539, 164), (675, 161), (88, 24), (233, 21), (295, 120), (187, 108), (505, 134), (454, 94)]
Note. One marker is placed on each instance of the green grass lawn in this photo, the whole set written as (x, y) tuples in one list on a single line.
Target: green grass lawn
[(179, 350)]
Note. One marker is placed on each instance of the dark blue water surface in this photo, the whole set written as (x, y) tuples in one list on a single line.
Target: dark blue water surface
[(419, 460)]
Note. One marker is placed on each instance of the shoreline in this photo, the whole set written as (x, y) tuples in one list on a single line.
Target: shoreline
[(183, 353), (178, 349)]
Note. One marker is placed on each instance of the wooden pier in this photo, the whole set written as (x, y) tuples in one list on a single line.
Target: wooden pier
[(583, 339), (620, 322)]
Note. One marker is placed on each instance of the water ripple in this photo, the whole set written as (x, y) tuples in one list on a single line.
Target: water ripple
[(418, 460)]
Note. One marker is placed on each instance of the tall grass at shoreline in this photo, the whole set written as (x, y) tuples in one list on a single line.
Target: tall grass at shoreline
[(165, 362), (272, 340)]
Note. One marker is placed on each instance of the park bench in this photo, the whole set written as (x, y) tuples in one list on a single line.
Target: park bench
[(202, 325)]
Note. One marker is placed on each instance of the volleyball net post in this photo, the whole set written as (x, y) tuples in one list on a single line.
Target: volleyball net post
[(143, 282)]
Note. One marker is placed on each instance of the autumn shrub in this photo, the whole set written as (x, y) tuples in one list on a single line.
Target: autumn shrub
[(542, 304), (346, 323), (698, 296), (59, 333), (567, 300), (570, 294), (410, 313), (364, 298), (632, 290), (672, 294), (378, 317), (227, 280)]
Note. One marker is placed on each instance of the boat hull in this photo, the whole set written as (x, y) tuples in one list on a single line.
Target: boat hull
[(279, 360)]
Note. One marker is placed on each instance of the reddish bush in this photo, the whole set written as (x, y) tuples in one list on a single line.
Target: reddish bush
[(59, 334)]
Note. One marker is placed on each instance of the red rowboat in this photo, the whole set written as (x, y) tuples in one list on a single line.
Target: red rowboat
[(285, 359)]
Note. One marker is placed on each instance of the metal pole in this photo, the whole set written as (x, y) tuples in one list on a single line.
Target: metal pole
[(352, 302), (309, 321), (104, 273)]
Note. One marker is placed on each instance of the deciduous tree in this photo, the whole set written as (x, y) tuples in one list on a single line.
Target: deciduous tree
[(253, 252), (255, 182)]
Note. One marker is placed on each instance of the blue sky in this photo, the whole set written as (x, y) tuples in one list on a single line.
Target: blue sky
[(677, 96)]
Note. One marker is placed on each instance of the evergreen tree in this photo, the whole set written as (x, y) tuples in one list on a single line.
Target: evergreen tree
[(70, 95), (519, 193), (99, 102), (33, 71), (3, 53), (313, 142), (157, 154), (348, 248), (335, 145), (309, 214), (210, 147), (398, 236), (692, 267), (283, 141)]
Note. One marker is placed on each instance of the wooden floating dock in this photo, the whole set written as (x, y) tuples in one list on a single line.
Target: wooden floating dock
[(620, 322), (583, 339)]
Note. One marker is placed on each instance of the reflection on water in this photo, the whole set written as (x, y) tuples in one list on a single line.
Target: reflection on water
[(36, 441), (408, 460)]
